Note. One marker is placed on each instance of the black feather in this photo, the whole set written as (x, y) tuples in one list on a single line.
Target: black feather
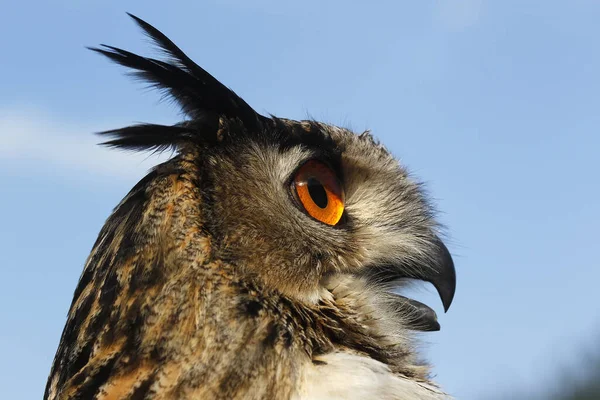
[(199, 94), (150, 137)]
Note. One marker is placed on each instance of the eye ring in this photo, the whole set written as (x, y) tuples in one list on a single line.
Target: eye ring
[(319, 192)]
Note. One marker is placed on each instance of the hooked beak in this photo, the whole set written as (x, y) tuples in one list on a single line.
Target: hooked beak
[(437, 269), (441, 275)]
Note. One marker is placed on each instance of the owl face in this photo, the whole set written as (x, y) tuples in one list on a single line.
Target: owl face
[(291, 203), (301, 201)]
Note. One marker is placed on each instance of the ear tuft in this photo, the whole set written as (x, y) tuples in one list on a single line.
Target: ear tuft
[(200, 95), (151, 137)]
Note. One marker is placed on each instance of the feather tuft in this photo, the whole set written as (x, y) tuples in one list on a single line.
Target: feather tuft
[(149, 137), (201, 96)]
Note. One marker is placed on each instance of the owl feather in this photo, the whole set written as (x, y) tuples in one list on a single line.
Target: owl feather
[(213, 279)]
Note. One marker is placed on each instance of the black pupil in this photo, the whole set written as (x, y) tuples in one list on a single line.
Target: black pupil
[(317, 192)]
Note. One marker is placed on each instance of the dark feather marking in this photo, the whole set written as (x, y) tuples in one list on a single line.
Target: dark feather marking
[(79, 360), (142, 391), (288, 338), (145, 276), (74, 359), (273, 335), (251, 307), (91, 381), (108, 294)]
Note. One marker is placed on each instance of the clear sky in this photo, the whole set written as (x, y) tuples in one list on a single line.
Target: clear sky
[(494, 104)]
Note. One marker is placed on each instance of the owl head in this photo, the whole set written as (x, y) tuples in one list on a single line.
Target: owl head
[(291, 203)]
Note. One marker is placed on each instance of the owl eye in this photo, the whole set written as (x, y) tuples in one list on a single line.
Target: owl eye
[(319, 192)]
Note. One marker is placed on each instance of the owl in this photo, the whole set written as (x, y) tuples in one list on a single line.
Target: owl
[(260, 262)]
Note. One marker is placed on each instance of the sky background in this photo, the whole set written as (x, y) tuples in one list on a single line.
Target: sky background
[(495, 105)]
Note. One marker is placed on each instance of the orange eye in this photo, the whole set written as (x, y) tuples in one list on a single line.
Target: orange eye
[(320, 192)]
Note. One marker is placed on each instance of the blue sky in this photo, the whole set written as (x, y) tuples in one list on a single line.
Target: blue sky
[(495, 105)]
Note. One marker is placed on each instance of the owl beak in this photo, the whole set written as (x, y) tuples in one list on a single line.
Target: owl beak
[(425, 318), (441, 274), (437, 268), (418, 316), (439, 271)]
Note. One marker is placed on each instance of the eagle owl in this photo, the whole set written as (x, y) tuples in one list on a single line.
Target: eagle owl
[(259, 262)]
